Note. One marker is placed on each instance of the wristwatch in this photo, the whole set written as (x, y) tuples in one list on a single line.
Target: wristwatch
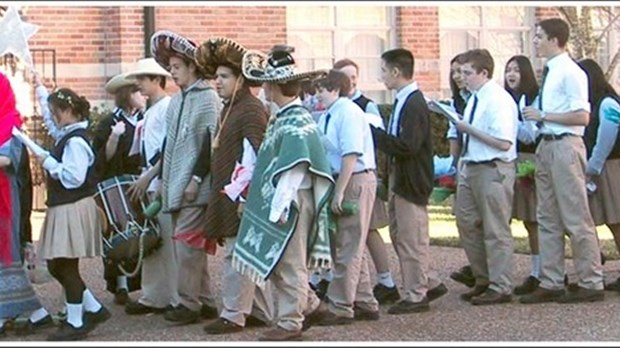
[(197, 179)]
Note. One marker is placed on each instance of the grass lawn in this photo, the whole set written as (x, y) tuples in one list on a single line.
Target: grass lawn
[(443, 232)]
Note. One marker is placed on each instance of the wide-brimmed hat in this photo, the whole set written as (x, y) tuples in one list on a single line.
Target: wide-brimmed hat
[(165, 44), (219, 51), (148, 66), (277, 67), (118, 81)]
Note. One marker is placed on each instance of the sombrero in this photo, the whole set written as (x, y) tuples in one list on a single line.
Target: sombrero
[(165, 44), (118, 81), (276, 67), (219, 51)]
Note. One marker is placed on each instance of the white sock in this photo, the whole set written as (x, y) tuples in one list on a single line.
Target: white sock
[(535, 266), (90, 302), (74, 314), (121, 283), (38, 315), (385, 279), (328, 275), (315, 278)]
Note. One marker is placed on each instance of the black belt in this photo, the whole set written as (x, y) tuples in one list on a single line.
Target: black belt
[(550, 137), (484, 163)]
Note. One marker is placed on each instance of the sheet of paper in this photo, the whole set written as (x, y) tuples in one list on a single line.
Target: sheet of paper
[(445, 110), (25, 139)]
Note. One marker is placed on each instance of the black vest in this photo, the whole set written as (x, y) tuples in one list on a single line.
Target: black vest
[(591, 131), (58, 194), (362, 102)]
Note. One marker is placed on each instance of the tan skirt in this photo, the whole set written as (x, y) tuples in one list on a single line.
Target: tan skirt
[(72, 231), (524, 200), (379, 217), (605, 201)]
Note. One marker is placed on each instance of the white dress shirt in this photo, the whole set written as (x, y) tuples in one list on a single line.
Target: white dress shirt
[(565, 90), (401, 97), (153, 131), (496, 115)]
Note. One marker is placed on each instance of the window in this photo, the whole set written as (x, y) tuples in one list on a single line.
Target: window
[(322, 35), (503, 30)]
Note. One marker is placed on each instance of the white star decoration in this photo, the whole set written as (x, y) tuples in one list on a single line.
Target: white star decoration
[(14, 35)]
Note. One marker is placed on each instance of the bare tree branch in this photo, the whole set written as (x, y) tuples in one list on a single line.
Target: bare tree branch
[(612, 65)]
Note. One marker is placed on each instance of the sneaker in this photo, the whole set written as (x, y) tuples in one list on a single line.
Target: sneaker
[(582, 295), (464, 276), (207, 312), (182, 315), (436, 292), (30, 327), (529, 285), (66, 332), (406, 307), (386, 295), (121, 297), (137, 308), (221, 327)]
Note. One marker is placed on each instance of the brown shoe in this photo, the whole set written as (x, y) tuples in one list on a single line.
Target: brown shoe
[(314, 317), (541, 295), (221, 327), (279, 334), (363, 314), (477, 291), (406, 307), (490, 297), (331, 319), (582, 295)]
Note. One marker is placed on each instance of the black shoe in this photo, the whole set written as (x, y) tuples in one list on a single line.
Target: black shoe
[(96, 318), (137, 308), (314, 317), (404, 307), (464, 276), (121, 297), (582, 295), (476, 291), (321, 288), (613, 286), (361, 314), (541, 295), (603, 259), (386, 295), (436, 292), (491, 297), (66, 332), (207, 312), (252, 321), (331, 319), (529, 285), (30, 328), (221, 327), (181, 315)]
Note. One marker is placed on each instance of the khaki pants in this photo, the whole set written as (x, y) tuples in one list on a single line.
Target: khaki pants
[(351, 281), (290, 277), (240, 296), (483, 212), (159, 270), (563, 208), (409, 235), (193, 281)]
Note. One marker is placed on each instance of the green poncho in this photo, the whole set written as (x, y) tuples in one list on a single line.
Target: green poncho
[(291, 138)]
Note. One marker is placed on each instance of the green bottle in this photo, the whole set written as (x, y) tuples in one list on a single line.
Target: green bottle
[(152, 209)]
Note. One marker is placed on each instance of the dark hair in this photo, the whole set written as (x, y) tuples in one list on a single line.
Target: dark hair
[(480, 59), (556, 28), (122, 97), (459, 102), (66, 98), (598, 87), (334, 80), (290, 88), (527, 83), (401, 59), (306, 87), (162, 79), (345, 62)]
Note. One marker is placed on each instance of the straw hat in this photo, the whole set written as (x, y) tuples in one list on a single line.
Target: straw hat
[(118, 81), (148, 66), (276, 67)]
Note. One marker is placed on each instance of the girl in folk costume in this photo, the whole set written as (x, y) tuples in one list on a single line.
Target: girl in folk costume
[(16, 293), (239, 134), (72, 226), (603, 149), (112, 141), (186, 184)]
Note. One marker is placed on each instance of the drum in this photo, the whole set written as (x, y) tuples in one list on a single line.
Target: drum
[(130, 235)]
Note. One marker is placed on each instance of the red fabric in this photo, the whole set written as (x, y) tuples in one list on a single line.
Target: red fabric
[(196, 239), (9, 117)]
